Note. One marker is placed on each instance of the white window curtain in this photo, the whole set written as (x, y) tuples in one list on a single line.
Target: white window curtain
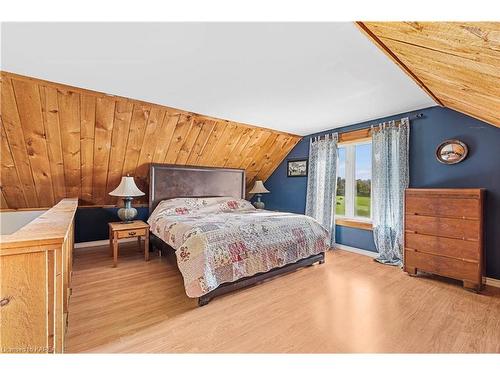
[(390, 178), (322, 182)]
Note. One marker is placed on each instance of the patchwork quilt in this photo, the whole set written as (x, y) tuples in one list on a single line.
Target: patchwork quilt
[(222, 239)]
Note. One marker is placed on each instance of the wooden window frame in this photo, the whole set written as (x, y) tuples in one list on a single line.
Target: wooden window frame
[(355, 136), (353, 223)]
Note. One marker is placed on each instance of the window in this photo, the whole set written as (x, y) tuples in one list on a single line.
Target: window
[(354, 177)]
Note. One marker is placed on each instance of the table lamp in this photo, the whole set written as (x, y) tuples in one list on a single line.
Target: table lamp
[(258, 189), (128, 190)]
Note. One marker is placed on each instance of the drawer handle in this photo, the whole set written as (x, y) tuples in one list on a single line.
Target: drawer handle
[(131, 233), (4, 301)]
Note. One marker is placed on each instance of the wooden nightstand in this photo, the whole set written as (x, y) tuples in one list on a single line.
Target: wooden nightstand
[(120, 230)]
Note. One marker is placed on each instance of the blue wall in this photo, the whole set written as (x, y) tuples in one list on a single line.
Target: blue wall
[(91, 223), (480, 169)]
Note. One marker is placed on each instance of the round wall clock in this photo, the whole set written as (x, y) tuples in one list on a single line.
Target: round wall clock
[(451, 151)]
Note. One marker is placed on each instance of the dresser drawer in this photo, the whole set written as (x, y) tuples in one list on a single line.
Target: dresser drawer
[(447, 227), (132, 233), (443, 206), (443, 246), (449, 267)]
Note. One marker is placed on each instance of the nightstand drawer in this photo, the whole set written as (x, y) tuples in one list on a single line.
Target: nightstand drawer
[(132, 233)]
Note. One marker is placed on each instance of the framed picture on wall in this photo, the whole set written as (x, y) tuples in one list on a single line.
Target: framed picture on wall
[(296, 168)]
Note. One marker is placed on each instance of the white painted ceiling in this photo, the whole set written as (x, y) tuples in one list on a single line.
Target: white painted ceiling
[(295, 77)]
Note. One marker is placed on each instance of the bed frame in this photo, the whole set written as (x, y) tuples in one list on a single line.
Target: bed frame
[(167, 181)]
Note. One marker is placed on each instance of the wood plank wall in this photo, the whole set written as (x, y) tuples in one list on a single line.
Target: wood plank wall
[(457, 63), (59, 141)]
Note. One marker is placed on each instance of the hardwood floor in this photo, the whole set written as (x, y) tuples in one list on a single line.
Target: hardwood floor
[(348, 304)]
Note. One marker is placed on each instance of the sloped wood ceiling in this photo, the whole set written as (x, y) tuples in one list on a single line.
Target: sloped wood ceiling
[(456, 63), (59, 141)]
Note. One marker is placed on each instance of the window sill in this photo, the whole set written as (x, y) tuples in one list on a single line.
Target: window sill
[(352, 223)]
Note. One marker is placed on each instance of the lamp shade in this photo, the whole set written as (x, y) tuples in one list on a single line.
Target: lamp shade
[(258, 188), (127, 188)]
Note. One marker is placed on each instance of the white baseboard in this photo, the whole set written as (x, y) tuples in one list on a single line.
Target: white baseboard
[(80, 245), (486, 280), (492, 282), (371, 254)]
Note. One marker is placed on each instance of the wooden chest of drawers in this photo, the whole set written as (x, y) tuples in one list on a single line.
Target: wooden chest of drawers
[(444, 233)]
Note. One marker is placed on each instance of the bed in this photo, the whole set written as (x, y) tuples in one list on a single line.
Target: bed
[(221, 242)]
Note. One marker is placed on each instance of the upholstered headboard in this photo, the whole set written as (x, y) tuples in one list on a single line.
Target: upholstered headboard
[(168, 181)]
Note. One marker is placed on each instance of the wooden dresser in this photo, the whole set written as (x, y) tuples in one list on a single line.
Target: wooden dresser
[(35, 282), (444, 233)]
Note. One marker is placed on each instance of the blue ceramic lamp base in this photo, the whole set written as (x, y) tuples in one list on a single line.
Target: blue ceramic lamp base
[(128, 213), (258, 203)]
